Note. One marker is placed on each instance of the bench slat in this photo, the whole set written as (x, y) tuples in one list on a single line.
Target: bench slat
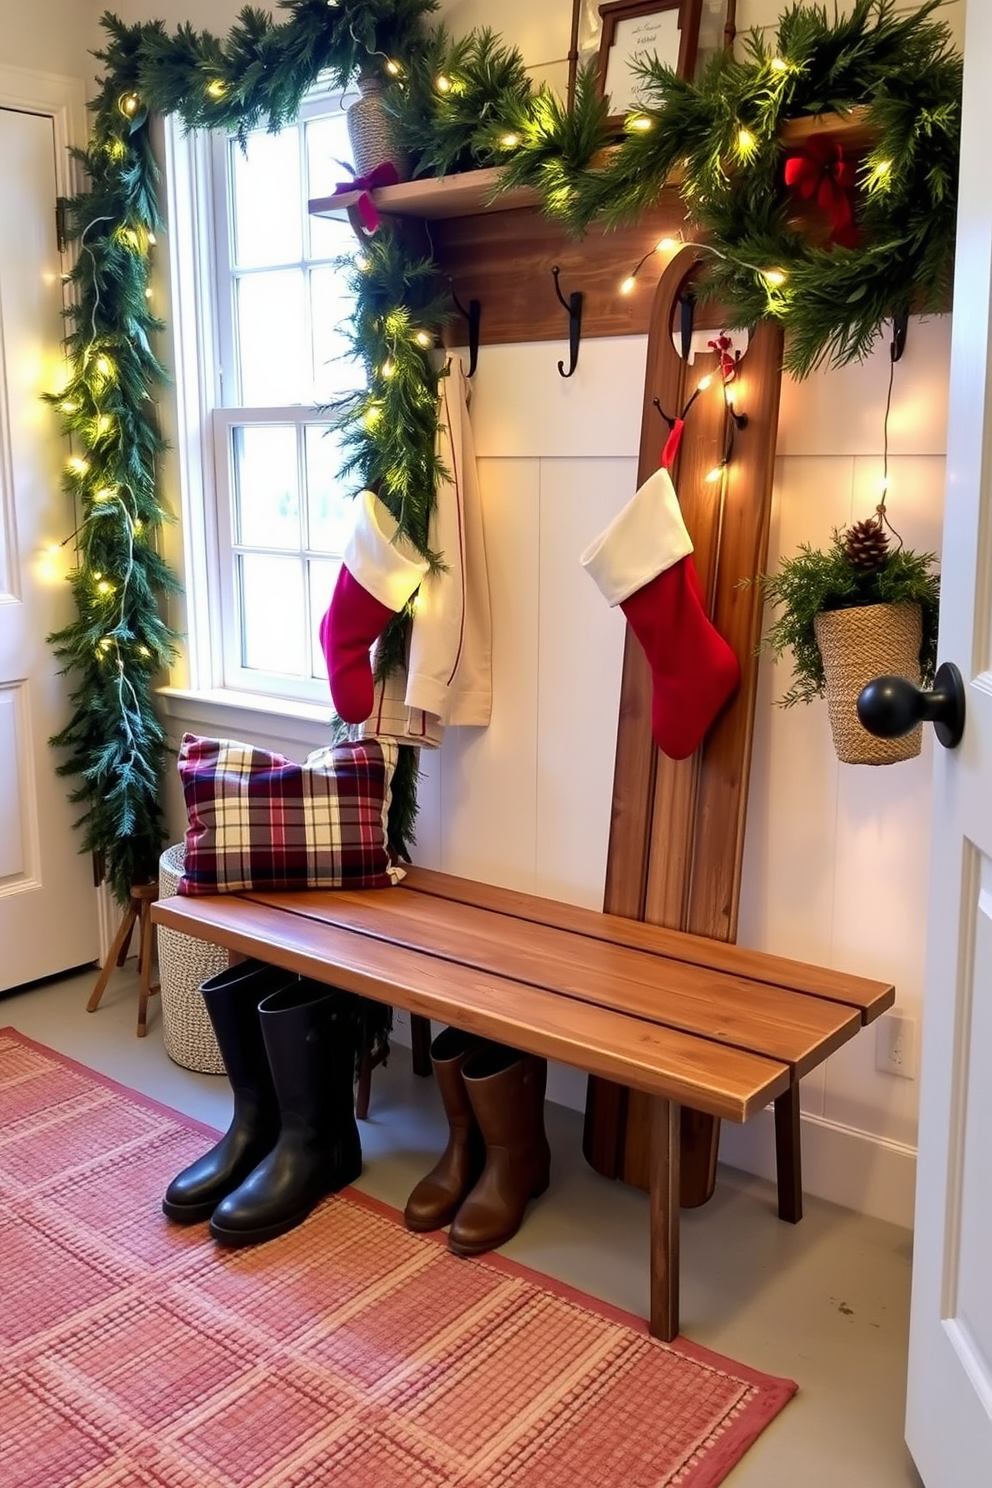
[(725, 1082), (731, 1010), (871, 997)]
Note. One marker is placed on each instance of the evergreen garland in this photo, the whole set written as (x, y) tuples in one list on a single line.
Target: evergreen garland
[(118, 641), (457, 104), (721, 137), (458, 100)]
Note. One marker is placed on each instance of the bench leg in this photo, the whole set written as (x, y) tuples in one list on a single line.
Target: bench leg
[(788, 1155), (664, 1205), (420, 1037)]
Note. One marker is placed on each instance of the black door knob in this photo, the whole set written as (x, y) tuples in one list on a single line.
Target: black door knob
[(890, 706)]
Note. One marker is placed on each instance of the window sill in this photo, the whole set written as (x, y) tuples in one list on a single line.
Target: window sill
[(236, 714)]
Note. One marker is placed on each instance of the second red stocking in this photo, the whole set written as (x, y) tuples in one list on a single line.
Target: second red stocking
[(643, 563)]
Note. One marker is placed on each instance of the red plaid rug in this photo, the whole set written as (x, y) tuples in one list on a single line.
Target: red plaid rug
[(136, 1354)]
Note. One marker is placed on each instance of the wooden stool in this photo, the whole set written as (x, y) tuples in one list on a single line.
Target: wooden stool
[(138, 912)]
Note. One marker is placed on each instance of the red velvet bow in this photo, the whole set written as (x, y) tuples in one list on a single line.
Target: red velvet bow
[(384, 174), (822, 174), (723, 346)]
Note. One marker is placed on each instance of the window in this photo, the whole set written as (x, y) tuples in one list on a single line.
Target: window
[(270, 302)]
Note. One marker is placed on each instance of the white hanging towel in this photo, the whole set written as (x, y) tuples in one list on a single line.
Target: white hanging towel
[(450, 661)]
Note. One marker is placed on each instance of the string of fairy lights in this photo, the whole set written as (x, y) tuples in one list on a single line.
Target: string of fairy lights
[(830, 303)]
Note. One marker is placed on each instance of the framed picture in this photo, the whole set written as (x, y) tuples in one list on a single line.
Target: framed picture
[(632, 29)]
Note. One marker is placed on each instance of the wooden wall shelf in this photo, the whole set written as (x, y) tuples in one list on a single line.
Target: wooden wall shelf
[(500, 251)]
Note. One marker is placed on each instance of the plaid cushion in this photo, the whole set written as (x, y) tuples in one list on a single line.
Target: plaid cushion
[(259, 821)]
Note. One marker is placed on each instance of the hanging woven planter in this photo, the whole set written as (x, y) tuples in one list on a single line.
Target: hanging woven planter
[(372, 131), (857, 645)]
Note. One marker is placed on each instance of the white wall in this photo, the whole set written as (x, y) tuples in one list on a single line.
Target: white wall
[(836, 855), (52, 36)]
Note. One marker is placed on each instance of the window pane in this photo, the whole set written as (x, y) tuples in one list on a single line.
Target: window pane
[(268, 207), (328, 156), (275, 357), (272, 614), (335, 371), (323, 577), (267, 485), (330, 511)]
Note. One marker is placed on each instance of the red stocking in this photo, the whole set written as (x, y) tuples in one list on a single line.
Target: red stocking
[(693, 670), (642, 563), (378, 575)]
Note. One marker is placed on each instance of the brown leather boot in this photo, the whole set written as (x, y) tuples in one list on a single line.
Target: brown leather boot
[(506, 1089), (435, 1200)]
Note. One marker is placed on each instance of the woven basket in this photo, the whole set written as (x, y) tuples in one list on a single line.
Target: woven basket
[(372, 131), (183, 963), (858, 645)]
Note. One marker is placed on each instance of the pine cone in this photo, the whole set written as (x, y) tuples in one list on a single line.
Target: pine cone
[(866, 545)]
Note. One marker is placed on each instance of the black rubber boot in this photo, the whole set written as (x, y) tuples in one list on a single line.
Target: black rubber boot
[(232, 998), (310, 1034)]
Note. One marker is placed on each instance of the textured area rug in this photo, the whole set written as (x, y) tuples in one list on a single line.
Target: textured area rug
[(136, 1354)]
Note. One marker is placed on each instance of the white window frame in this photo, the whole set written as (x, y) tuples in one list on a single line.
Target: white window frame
[(209, 675)]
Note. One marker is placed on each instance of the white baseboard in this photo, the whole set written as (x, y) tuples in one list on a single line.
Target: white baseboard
[(848, 1167)]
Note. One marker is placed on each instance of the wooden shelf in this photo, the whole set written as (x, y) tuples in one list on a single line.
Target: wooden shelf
[(471, 193), (441, 197), (500, 249)]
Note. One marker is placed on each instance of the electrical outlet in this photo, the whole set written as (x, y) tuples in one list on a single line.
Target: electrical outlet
[(895, 1045)]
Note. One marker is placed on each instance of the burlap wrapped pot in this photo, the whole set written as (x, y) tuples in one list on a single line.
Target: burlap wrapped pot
[(184, 962), (372, 132), (858, 645)]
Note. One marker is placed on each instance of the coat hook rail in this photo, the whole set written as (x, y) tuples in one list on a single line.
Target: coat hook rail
[(574, 307), (474, 317)]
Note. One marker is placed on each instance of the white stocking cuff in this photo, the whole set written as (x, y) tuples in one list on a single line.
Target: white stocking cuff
[(647, 537), (390, 570)]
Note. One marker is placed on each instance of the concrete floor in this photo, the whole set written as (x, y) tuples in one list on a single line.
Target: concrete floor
[(824, 1302)]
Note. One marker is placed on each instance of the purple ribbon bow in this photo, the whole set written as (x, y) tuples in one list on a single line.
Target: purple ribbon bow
[(384, 174)]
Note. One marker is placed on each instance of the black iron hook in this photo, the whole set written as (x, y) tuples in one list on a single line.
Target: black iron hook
[(474, 317), (574, 307), (687, 316), (900, 325)]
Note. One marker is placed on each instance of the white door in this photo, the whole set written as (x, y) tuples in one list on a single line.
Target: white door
[(949, 1406), (48, 915)]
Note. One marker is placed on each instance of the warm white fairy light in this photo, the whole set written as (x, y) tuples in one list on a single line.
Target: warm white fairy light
[(640, 122), (217, 88), (510, 141), (442, 84), (424, 338), (629, 285)]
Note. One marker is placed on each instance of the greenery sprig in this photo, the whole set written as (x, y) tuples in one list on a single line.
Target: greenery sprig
[(457, 101), (814, 580)]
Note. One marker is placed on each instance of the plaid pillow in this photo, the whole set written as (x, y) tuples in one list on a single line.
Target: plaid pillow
[(259, 821)]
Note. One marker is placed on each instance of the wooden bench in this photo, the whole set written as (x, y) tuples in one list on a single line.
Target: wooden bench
[(687, 1020)]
